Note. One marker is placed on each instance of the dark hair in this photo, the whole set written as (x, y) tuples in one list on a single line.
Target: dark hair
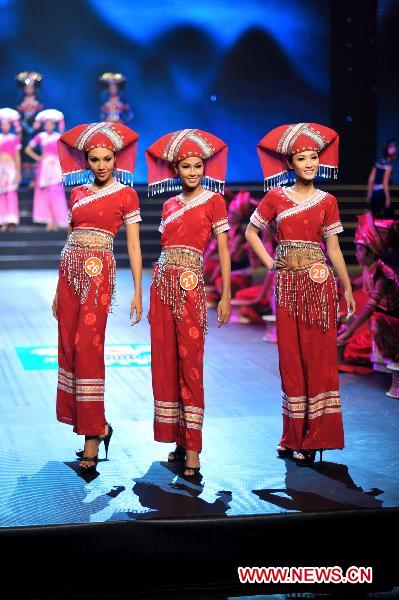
[(385, 147)]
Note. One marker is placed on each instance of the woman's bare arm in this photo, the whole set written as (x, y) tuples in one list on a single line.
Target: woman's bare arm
[(136, 265)]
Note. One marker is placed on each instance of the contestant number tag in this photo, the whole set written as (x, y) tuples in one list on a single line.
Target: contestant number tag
[(318, 273), (93, 266), (188, 280)]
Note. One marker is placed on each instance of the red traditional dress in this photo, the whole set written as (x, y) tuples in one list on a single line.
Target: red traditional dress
[(178, 304), (306, 297), (86, 285)]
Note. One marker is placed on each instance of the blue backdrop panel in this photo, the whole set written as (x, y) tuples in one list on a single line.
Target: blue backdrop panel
[(216, 65)]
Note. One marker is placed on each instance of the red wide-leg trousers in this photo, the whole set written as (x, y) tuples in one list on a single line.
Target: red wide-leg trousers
[(177, 353), (311, 405), (81, 374)]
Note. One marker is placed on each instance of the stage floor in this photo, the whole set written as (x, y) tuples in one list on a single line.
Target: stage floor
[(39, 484)]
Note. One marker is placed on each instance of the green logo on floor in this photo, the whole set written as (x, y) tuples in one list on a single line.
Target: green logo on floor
[(38, 358)]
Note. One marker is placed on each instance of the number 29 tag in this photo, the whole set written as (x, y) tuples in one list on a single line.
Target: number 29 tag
[(318, 273), (188, 280)]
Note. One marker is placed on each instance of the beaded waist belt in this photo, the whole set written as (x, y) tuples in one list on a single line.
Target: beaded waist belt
[(87, 255), (91, 238), (180, 258), (297, 249), (378, 186), (178, 272)]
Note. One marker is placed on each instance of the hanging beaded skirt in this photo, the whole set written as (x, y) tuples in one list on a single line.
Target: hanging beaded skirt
[(171, 265), (312, 301), (86, 259)]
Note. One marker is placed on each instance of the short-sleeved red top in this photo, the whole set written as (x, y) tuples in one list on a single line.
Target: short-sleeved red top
[(106, 209), (189, 223), (311, 220)]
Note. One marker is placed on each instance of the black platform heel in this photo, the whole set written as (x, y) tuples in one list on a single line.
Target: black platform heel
[(196, 472), (284, 453), (308, 457), (92, 468), (92, 459), (178, 454), (102, 438)]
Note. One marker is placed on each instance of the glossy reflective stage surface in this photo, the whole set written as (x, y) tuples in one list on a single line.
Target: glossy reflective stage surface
[(39, 483)]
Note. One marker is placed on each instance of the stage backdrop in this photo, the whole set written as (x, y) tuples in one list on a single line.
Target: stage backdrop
[(388, 75), (236, 69)]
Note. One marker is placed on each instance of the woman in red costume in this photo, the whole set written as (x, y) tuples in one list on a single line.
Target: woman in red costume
[(178, 306), (306, 294), (379, 342), (101, 156)]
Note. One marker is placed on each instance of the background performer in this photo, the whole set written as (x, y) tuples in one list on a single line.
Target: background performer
[(10, 168), (49, 201)]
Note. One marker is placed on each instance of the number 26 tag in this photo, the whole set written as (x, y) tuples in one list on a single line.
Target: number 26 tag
[(318, 273), (93, 266)]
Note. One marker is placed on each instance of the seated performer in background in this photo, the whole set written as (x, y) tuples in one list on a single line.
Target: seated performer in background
[(259, 298), (243, 259), (10, 168), (381, 284)]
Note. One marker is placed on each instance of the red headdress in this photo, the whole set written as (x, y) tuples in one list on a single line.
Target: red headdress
[(170, 149), (286, 140), (373, 234), (73, 145)]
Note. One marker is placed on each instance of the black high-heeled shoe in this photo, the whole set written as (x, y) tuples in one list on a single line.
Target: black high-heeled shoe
[(285, 453), (178, 454), (90, 468), (102, 438), (308, 457), (191, 475), (91, 459)]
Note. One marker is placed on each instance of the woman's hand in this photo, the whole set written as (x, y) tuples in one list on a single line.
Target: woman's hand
[(281, 263), (350, 302), (136, 307), (54, 307), (223, 311)]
